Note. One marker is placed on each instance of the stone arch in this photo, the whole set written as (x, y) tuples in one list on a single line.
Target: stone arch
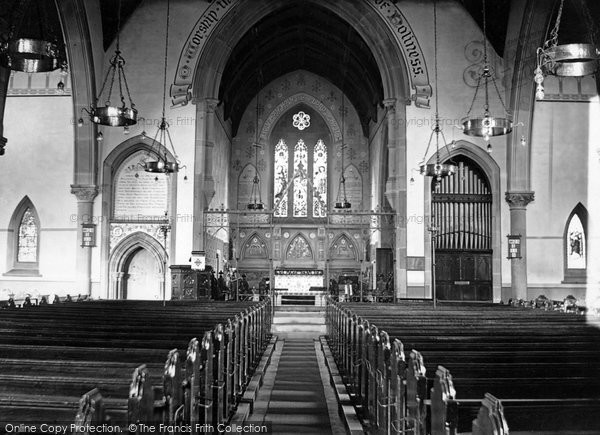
[(121, 255), (492, 171), (337, 249), (293, 100), (299, 249), (254, 247), (111, 163), (389, 37)]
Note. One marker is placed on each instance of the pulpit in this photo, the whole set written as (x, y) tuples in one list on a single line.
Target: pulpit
[(188, 283)]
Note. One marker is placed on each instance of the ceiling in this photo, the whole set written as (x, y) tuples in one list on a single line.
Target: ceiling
[(297, 37)]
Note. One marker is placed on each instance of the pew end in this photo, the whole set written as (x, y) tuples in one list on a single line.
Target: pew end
[(490, 419)]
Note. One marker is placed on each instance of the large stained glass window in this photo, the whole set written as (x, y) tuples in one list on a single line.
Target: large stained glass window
[(281, 176), (319, 179), (300, 179), (28, 238)]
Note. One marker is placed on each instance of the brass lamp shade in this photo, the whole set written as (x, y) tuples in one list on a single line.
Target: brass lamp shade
[(487, 126), (572, 60), (30, 55), (438, 169), (161, 167), (114, 116), (343, 204)]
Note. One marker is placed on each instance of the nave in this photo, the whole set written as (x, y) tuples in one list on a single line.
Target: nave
[(343, 368)]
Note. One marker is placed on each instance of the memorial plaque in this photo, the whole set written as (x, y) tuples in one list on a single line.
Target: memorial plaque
[(140, 195)]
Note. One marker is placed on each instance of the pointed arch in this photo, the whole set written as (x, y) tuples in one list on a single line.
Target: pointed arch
[(254, 248), (343, 248), (244, 185), (491, 171), (299, 249), (122, 254), (354, 185), (23, 247), (575, 245)]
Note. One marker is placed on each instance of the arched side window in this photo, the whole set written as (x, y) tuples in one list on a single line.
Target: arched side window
[(320, 179), (300, 179), (281, 176), (24, 240), (575, 245)]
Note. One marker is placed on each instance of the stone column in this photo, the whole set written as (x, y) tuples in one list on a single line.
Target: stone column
[(83, 260), (517, 202), (395, 188), (204, 183)]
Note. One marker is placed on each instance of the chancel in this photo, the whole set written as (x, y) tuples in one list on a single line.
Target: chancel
[(285, 216)]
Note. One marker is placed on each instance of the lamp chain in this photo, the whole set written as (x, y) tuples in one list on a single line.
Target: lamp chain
[(554, 33), (166, 58), (437, 96)]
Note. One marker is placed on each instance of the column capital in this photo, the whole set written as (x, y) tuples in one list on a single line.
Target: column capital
[(519, 199), (84, 193), (390, 103), (209, 104)]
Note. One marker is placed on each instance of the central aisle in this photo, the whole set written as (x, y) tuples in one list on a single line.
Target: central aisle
[(297, 403)]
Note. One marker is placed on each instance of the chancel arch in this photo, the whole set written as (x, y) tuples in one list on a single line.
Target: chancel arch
[(464, 211)]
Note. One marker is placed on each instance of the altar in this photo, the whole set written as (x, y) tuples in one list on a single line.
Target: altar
[(299, 286)]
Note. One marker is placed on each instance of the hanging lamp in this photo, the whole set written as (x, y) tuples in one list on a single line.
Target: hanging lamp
[(341, 201), (109, 114), (32, 46), (438, 170), (486, 125), (255, 197), (162, 136), (567, 60)]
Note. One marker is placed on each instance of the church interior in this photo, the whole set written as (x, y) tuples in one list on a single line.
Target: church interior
[(395, 197)]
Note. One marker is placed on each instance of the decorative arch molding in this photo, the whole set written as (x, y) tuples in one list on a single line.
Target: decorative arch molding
[(204, 55), (343, 248), (122, 253), (291, 101), (576, 243), (299, 249), (492, 171), (255, 248), (111, 164), (13, 265)]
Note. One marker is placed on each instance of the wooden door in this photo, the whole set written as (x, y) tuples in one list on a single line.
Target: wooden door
[(462, 214)]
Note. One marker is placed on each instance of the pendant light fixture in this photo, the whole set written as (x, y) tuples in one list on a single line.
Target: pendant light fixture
[(487, 125), (32, 45), (109, 114), (256, 195), (162, 164), (568, 60), (341, 201), (438, 170)]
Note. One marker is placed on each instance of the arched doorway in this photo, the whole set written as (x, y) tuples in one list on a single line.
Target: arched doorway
[(462, 213), (142, 276)]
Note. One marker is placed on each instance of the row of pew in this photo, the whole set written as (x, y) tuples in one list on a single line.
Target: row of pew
[(129, 362), (414, 368)]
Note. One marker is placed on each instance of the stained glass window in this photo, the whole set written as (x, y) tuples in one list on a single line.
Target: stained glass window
[(281, 176), (575, 244), (300, 179), (319, 179), (28, 238)]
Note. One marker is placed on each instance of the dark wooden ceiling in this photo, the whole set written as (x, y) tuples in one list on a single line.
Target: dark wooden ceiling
[(297, 37)]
